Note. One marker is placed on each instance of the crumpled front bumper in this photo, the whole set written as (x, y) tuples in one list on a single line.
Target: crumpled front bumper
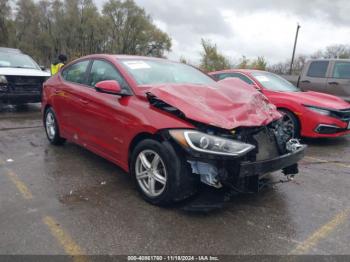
[(271, 165)]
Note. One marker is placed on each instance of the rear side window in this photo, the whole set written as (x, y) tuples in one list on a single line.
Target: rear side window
[(341, 70), (318, 69), (76, 72), (235, 75), (102, 70)]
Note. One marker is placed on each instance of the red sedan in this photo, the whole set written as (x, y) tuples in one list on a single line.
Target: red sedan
[(306, 114), (168, 124)]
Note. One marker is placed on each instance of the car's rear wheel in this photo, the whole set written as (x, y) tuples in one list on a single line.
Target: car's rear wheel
[(290, 123), (162, 176), (51, 128)]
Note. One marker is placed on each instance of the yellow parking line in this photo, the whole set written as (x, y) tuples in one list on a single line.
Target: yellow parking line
[(65, 240), (326, 161), (22, 188), (321, 233)]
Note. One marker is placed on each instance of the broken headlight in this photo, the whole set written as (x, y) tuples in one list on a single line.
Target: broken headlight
[(210, 144)]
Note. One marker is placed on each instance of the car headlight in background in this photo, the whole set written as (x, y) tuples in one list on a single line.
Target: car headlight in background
[(318, 110), (3, 84), (210, 144), (3, 79)]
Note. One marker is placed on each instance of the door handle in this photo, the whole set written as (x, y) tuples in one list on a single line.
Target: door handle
[(306, 81), (333, 83), (84, 101)]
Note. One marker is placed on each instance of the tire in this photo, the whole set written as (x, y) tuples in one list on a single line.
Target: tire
[(290, 123), (177, 183), (52, 129)]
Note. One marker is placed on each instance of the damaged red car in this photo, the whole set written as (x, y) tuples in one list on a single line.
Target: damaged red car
[(168, 124)]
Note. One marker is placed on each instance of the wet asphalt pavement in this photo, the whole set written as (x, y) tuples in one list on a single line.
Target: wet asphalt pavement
[(64, 200)]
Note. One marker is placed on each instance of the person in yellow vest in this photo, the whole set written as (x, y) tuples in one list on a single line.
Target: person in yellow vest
[(57, 65)]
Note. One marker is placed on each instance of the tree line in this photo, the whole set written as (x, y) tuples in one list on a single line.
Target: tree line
[(46, 28), (212, 59)]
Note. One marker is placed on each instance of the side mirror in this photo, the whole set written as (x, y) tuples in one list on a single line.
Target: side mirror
[(109, 87), (43, 68)]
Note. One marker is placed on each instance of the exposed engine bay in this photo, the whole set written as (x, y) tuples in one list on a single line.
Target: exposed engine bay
[(273, 150)]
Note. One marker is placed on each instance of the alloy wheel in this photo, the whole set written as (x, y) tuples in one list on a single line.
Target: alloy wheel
[(151, 173), (50, 125), (288, 125)]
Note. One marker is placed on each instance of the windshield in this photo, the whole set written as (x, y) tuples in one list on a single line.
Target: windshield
[(147, 72), (16, 60), (274, 82)]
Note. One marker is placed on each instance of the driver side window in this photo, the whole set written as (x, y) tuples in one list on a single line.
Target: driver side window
[(102, 70)]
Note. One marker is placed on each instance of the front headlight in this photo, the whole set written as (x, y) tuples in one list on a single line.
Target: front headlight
[(205, 143), (321, 111), (3, 79)]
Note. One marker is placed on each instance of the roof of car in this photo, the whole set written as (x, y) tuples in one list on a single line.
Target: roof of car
[(329, 59), (10, 50), (117, 56), (237, 70)]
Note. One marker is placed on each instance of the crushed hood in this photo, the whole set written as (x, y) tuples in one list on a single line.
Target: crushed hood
[(228, 104)]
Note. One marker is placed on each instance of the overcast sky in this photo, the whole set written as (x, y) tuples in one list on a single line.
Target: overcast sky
[(250, 27)]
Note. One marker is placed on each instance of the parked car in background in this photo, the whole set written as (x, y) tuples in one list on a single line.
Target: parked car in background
[(331, 76), (21, 78), (307, 114), (168, 124)]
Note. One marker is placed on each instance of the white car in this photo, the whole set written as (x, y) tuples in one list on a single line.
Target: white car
[(21, 78)]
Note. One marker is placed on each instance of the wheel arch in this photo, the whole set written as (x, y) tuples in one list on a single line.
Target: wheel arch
[(47, 106), (138, 138), (295, 115)]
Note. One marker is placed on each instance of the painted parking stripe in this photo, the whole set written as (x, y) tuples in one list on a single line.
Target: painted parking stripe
[(321, 233), (21, 187), (64, 239), (326, 161)]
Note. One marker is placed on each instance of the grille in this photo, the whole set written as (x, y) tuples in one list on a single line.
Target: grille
[(267, 146), (25, 84), (342, 114)]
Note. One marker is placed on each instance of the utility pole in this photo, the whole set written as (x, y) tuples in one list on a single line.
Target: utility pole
[(295, 46)]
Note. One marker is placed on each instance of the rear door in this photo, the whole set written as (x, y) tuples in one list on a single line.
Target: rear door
[(339, 82), (315, 78), (74, 79)]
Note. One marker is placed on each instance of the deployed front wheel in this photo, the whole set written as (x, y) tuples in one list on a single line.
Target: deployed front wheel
[(162, 176)]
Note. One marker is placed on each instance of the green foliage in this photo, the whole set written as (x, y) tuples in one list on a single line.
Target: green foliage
[(46, 28), (244, 63), (211, 59), (259, 64), (5, 13)]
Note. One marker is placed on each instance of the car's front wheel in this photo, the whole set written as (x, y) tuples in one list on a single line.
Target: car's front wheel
[(290, 123), (162, 176), (51, 128)]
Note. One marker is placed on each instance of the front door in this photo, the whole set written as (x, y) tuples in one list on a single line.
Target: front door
[(105, 116)]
